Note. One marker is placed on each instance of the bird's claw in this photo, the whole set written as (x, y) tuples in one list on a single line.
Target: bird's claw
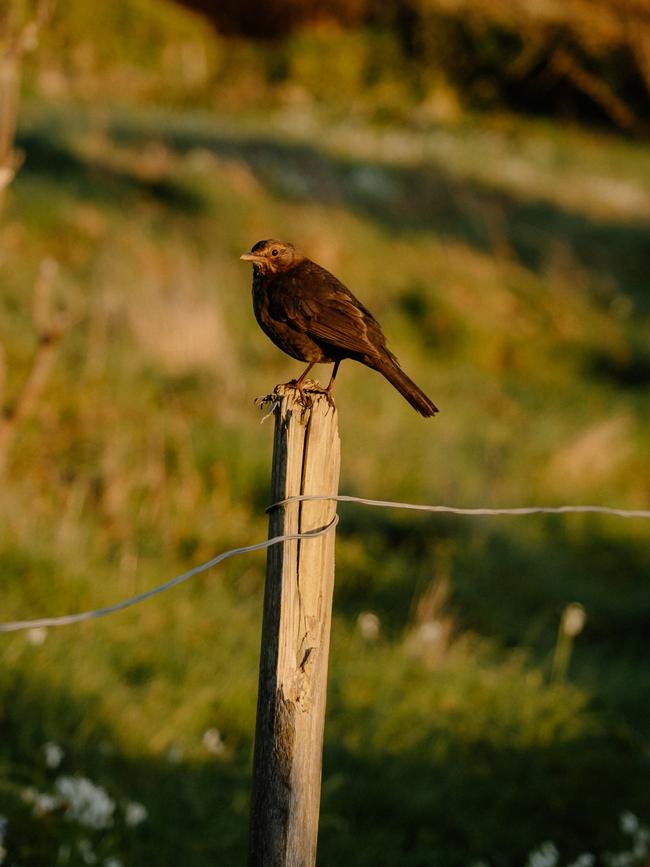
[(330, 398), (311, 386), (316, 388)]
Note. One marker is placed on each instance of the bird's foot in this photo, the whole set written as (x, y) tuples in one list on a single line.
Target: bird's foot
[(306, 386), (268, 403), (306, 389), (316, 388), (313, 387)]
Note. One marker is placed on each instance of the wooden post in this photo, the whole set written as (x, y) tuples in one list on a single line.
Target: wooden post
[(295, 638)]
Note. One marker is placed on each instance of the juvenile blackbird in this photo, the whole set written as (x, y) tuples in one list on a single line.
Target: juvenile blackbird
[(313, 317)]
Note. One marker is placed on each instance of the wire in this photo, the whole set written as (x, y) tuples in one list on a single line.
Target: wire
[(454, 510), (68, 619)]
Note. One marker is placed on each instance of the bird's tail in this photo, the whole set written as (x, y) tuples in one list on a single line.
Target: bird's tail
[(406, 387)]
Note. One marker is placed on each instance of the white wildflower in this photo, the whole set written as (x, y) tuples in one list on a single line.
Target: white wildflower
[(369, 625), (584, 860), (53, 755), (546, 856), (86, 851), (574, 618), (213, 742), (113, 862), (135, 814), (629, 822), (37, 635), (45, 804), (641, 843), (86, 803)]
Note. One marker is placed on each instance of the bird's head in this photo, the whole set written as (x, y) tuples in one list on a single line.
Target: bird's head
[(273, 256)]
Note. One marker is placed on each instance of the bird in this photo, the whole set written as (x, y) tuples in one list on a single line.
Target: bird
[(309, 314)]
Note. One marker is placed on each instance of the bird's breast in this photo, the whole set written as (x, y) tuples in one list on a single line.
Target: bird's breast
[(281, 326)]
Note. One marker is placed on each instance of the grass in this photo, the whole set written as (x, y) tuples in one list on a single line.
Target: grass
[(521, 307)]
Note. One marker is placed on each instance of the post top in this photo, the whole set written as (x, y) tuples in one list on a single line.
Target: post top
[(286, 398)]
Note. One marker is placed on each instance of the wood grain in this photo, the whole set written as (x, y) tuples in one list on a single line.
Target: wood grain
[(295, 638)]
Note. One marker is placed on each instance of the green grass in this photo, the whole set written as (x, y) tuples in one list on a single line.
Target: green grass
[(520, 306)]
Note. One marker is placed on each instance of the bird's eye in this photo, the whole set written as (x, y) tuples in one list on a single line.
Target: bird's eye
[(274, 252)]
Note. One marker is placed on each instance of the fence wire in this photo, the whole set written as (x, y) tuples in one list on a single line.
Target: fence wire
[(482, 512), (69, 619)]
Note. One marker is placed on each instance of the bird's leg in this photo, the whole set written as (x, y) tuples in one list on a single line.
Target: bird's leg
[(330, 386), (297, 383)]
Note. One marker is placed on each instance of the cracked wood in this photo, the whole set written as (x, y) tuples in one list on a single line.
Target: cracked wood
[(295, 637)]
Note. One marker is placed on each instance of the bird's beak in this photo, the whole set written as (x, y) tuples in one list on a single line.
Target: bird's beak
[(251, 257)]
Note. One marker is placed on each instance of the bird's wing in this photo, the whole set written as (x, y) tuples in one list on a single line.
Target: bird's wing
[(339, 322), (326, 310)]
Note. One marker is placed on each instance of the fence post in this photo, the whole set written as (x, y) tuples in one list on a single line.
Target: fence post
[(295, 638)]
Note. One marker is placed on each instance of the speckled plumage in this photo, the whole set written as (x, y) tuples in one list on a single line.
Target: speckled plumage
[(309, 314)]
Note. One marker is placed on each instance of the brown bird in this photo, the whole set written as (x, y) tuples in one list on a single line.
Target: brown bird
[(309, 314)]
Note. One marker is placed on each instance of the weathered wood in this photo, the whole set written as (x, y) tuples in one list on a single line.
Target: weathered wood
[(295, 638)]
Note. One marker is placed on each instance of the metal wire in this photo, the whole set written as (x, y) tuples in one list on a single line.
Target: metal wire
[(68, 619), (455, 510)]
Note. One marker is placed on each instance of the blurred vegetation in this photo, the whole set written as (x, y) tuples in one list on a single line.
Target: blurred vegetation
[(575, 57), (417, 61), (508, 261)]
